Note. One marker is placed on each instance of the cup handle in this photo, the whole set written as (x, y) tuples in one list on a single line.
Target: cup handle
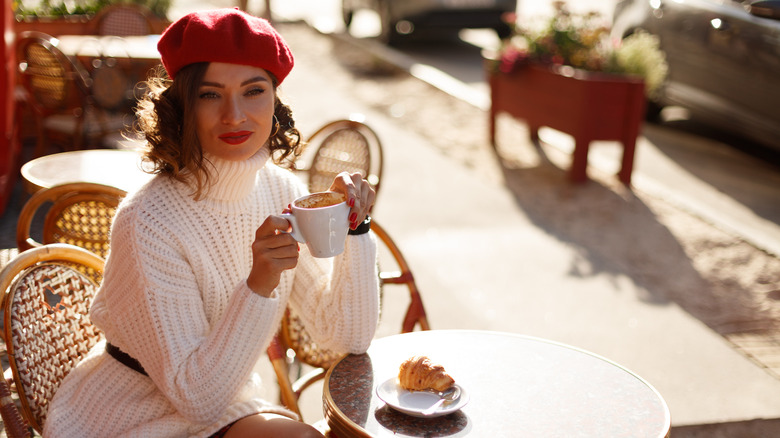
[(294, 225)]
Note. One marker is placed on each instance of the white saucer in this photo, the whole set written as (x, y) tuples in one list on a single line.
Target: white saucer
[(414, 403)]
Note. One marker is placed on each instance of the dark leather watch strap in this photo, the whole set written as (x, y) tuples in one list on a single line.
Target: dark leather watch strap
[(362, 228)]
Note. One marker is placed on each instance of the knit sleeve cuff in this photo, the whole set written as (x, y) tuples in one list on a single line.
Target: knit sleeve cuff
[(254, 307), (244, 288)]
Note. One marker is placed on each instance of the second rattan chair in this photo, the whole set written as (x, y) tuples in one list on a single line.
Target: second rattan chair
[(59, 92), (47, 292), (123, 19), (293, 336), (78, 214), (344, 145)]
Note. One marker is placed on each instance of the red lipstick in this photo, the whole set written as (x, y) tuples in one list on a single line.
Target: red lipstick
[(237, 137)]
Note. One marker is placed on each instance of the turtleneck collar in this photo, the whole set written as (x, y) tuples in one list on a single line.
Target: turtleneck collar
[(233, 180)]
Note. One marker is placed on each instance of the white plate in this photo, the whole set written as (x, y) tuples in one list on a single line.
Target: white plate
[(414, 403)]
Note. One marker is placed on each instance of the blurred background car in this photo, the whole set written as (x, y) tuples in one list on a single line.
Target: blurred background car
[(724, 60), (402, 18)]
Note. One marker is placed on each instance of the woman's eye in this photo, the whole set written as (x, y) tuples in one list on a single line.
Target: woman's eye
[(255, 91), (208, 95)]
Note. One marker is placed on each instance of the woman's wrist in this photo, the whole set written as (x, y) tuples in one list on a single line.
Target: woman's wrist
[(362, 228), (259, 289)]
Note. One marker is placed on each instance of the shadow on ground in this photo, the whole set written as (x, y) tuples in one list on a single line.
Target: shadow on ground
[(730, 165), (646, 241)]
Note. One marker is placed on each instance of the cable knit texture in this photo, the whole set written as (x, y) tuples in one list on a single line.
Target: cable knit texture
[(175, 298)]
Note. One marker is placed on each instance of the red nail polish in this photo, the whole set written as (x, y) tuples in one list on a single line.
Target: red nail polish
[(351, 202), (352, 217), (353, 225)]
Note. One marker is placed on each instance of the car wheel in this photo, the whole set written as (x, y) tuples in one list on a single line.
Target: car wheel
[(388, 34), (653, 111), (346, 14)]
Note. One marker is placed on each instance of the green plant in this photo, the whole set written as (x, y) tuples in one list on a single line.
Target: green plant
[(582, 41), (54, 9), (58, 8), (640, 54)]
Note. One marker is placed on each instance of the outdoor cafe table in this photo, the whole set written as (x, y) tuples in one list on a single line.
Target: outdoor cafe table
[(111, 167), (140, 50), (518, 386)]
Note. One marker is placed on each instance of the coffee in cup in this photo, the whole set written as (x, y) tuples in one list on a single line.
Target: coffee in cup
[(319, 200), (320, 220)]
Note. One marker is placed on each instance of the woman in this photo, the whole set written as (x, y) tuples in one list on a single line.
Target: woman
[(201, 270)]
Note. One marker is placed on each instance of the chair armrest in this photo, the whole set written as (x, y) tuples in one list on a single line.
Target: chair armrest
[(276, 353), (14, 424)]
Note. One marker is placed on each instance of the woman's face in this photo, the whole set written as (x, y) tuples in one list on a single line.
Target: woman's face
[(234, 110)]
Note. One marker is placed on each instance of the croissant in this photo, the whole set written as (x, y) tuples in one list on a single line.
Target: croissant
[(419, 373)]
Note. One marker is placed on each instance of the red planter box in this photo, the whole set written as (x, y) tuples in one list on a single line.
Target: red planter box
[(589, 106)]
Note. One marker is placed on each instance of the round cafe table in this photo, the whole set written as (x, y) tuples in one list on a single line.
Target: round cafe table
[(518, 386), (111, 167)]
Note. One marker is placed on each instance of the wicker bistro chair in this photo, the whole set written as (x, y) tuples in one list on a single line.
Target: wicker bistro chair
[(344, 145), (59, 93), (123, 19), (293, 336), (47, 292), (79, 214), (113, 80)]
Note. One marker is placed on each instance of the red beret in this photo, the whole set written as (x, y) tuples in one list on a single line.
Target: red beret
[(224, 35)]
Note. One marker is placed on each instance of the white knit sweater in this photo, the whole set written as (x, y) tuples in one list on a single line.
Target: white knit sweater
[(175, 298)]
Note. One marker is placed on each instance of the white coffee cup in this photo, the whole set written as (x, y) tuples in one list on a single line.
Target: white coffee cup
[(320, 220)]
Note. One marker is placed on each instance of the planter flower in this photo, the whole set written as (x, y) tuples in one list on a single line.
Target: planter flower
[(568, 76), (581, 41)]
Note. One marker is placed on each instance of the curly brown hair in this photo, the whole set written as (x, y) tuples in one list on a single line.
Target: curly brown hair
[(169, 128)]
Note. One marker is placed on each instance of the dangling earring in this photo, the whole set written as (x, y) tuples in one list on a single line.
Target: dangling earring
[(276, 126)]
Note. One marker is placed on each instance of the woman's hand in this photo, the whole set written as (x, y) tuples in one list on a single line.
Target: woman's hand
[(273, 252), (359, 193)]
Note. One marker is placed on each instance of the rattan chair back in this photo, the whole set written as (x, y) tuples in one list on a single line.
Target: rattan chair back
[(294, 337), (124, 19), (344, 145), (78, 214), (51, 79), (59, 92), (47, 293)]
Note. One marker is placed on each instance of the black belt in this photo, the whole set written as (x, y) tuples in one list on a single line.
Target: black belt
[(124, 358)]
